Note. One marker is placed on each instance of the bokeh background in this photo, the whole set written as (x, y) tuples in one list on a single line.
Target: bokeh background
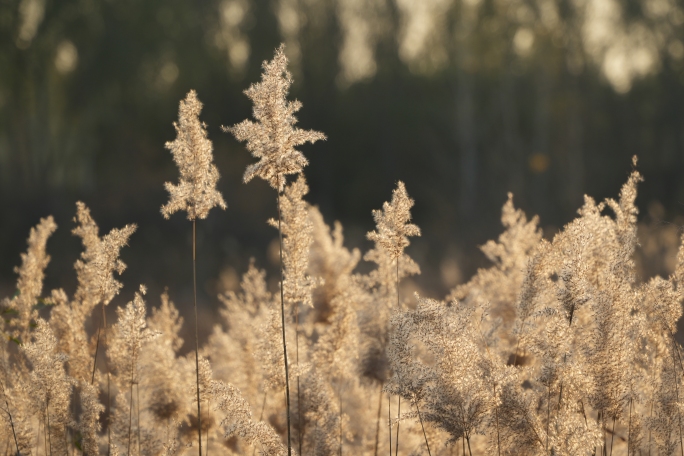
[(463, 100)]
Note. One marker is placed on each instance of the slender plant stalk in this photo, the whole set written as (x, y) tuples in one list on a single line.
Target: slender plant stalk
[(603, 425), (194, 294), (9, 414), (679, 415), (282, 315), (389, 420), (109, 396), (261, 417), (377, 422), (130, 419), (137, 406), (396, 440), (629, 429), (47, 426), (421, 425), (339, 421), (470, 452), (396, 446), (676, 350), (206, 448), (300, 426), (612, 437), (103, 324), (97, 343), (97, 348), (496, 409), (45, 436), (565, 356), (598, 419), (584, 413)]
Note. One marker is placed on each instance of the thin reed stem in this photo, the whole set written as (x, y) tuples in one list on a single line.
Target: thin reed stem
[(650, 415), (109, 396), (612, 437), (103, 325), (423, 428), (676, 350), (496, 408), (603, 426), (45, 435), (396, 440), (130, 418), (261, 418), (629, 429), (679, 415), (300, 425), (97, 348), (206, 437), (9, 414), (339, 420), (282, 315), (377, 422), (97, 342), (137, 406), (389, 420), (194, 294), (396, 449), (47, 426)]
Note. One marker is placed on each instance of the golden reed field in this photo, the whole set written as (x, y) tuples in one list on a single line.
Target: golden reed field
[(555, 349)]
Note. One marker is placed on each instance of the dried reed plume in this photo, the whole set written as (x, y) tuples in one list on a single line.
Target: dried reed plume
[(272, 139), (196, 193)]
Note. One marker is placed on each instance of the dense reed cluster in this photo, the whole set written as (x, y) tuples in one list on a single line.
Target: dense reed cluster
[(556, 349)]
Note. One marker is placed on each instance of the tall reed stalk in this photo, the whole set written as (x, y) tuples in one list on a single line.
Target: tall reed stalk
[(282, 319), (396, 444), (389, 420), (196, 194), (9, 415), (194, 296), (377, 422)]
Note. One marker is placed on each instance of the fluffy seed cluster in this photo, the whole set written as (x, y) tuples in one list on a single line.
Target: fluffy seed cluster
[(192, 151), (393, 223), (273, 137), (31, 274)]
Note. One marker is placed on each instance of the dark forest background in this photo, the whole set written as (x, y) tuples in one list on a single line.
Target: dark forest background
[(463, 100)]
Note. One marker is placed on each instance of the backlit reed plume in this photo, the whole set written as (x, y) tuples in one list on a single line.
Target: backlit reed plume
[(391, 238), (19, 316), (272, 139), (195, 193), (130, 334), (30, 281)]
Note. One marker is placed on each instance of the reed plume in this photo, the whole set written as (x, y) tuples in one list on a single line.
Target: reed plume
[(195, 193), (272, 139)]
